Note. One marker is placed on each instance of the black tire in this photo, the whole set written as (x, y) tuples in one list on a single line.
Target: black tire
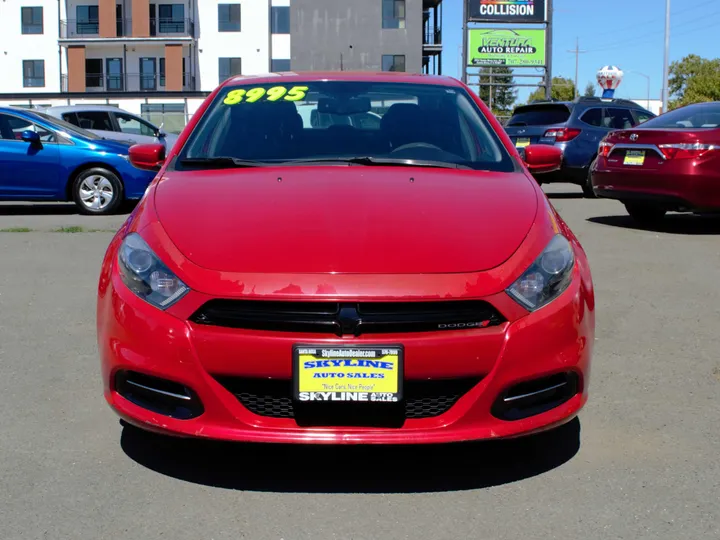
[(97, 191), (587, 186), (645, 214)]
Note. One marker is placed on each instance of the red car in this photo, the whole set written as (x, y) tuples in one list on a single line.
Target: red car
[(670, 163), (345, 258)]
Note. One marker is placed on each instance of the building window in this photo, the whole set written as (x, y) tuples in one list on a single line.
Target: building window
[(280, 20), (277, 65), (33, 73), (93, 72), (393, 13), (172, 18), (88, 20), (171, 115), (229, 67), (228, 17), (32, 20), (393, 62), (148, 74)]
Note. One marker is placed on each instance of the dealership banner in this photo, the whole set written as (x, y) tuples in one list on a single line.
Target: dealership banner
[(506, 11), (503, 47)]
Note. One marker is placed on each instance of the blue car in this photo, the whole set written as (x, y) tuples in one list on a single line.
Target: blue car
[(46, 159), (576, 127)]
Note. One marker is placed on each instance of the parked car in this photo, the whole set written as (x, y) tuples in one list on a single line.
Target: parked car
[(576, 127), (669, 164), (47, 159), (113, 123), (299, 283)]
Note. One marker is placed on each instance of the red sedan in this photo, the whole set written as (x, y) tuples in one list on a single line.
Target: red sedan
[(345, 258), (670, 163)]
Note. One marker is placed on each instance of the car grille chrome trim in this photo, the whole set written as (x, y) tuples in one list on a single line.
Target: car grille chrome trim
[(510, 399), (651, 147), (348, 318), (157, 391)]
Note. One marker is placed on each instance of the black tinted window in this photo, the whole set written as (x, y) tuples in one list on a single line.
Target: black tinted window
[(703, 115), (95, 120), (619, 119), (539, 115), (593, 117)]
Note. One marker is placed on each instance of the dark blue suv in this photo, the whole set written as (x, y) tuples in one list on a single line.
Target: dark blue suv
[(577, 127)]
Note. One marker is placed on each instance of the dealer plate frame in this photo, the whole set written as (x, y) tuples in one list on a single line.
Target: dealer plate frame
[(319, 347)]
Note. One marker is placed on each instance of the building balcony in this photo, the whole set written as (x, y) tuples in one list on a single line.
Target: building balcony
[(432, 41), (129, 82), (73, 29)]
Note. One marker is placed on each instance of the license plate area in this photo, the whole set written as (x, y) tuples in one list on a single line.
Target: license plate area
[(522, 143), (343, 374), (634, 157)]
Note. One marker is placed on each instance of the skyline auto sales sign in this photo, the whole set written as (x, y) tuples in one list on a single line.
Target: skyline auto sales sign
[(506, 11)]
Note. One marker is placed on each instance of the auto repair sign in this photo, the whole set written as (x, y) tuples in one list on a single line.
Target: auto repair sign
[(507, 11)]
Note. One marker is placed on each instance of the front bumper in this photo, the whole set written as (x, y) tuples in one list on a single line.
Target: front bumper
[(556, 340)]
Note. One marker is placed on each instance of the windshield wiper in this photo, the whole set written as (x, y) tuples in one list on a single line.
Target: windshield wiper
[(222, 162), (397, 162)]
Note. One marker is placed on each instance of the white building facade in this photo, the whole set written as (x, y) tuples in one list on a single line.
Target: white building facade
[(142, 55)]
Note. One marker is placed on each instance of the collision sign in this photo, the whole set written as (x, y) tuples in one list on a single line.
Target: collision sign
[(507, 11)]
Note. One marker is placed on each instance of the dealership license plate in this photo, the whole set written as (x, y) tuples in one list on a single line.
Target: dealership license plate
[(634, 157), (522, 143), (357, 374)]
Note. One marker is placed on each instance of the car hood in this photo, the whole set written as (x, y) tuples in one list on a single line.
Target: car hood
[(382, 220)]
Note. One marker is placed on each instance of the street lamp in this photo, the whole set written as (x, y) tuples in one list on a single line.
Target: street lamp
[(647, 77)]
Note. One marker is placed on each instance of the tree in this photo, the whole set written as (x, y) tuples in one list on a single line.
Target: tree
[(562, 90), (499, 98), (694, 79), (589, 90)]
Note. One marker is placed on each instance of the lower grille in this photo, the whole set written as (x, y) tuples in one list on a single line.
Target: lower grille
[(536, 396), (422, 398), (345, 318)]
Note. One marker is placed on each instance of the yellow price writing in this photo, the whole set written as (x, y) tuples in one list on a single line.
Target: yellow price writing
[(276, 93)]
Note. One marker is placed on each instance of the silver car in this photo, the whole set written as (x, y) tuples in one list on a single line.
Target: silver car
[(113, 123)]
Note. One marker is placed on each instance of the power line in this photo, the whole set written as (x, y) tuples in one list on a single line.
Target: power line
[(577, 52)]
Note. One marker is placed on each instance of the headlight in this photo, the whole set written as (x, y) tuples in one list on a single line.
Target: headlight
[(547, 277), (146, 275)]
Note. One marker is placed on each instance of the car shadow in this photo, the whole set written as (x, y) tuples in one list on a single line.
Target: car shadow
[(685, 224), (352, 469)]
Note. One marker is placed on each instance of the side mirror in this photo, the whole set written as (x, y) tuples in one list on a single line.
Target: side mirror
[(149, 157), (542, 158), (31, 137)]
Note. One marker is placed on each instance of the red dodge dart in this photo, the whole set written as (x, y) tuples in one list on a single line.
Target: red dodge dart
[(670, 163), (345, 258)]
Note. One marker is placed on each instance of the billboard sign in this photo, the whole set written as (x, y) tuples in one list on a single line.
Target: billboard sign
[(504, 47), (507, 11)]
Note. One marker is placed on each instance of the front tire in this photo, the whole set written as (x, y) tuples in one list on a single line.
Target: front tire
[(97, 191), (645, 214)]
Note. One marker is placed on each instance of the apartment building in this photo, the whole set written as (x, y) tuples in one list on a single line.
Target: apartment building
[(154, 55)]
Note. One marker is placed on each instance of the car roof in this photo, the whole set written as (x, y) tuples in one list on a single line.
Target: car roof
[(89, 107), (359, 76)]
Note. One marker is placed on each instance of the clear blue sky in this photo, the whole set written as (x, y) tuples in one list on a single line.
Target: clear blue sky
[(637, 29)]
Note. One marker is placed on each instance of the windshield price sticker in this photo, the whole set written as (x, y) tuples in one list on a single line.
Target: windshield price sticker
[(348, 374), (276, 93)]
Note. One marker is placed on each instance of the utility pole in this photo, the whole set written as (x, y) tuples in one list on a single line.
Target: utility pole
[(666, 62), (577, 52)]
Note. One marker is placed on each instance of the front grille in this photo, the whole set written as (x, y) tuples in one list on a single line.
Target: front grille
[(348, 318), (273, 398)]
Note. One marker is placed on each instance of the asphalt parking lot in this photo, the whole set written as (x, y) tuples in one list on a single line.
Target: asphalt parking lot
[(640, 463)]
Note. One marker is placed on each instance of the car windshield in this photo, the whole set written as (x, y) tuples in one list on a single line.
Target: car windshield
[(340, 121), (704, 115), (68, 127), (539, 115)]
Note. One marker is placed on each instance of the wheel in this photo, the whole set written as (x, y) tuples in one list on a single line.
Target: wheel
[(587, 186), (97, 191), (645, 214)]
